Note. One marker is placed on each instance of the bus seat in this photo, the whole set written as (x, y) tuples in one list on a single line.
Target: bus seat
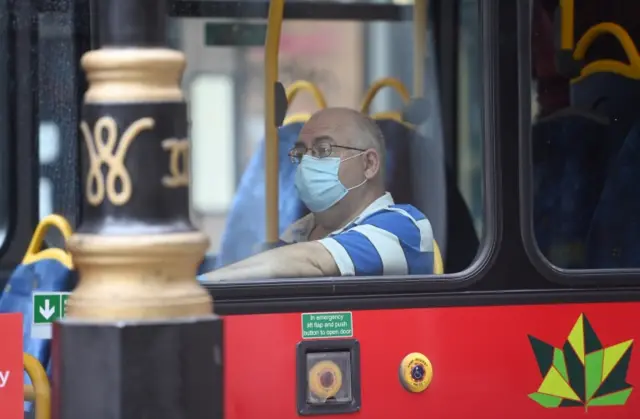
[(41, 270), (614, 235), (398, 177), (569, 150), (245, 229), (412, 183)]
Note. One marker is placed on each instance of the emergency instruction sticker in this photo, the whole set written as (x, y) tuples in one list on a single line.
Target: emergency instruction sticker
[(337, 324)]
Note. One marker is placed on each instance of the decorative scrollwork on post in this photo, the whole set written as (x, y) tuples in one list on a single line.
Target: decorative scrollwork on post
[(178, 162), (103, 148)]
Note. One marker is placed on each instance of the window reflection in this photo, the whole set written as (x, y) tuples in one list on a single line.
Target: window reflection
[(586, 134)]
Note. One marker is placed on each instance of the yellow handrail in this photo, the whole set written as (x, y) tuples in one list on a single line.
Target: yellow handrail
[(292, 92), (392, 82), (300, 85), (29, 393), (567, 43), (375, 88), (271, 49), (40, 392), (631, 70), (420, 8), (34, 254)]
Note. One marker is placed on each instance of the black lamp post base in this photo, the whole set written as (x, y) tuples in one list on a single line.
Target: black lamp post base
[(164, 369)]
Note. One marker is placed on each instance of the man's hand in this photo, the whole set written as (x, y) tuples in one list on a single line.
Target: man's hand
[(309, 259)]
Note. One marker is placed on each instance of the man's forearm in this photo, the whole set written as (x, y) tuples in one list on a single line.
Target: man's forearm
[(300, 260)]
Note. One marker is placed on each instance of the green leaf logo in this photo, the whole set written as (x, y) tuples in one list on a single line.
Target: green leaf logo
[(583, 372)]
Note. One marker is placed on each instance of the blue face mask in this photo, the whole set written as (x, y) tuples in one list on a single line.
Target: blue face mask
[(318, 183)]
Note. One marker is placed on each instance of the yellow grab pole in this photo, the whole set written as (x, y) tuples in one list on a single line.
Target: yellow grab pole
[(566, 25), (41, 388), (392, 82), (271, 48), (419, 45)]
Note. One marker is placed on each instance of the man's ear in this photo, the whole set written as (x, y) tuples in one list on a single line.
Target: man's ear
[(372, 163)]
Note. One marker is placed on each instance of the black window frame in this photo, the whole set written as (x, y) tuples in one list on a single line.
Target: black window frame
[(22, 114)]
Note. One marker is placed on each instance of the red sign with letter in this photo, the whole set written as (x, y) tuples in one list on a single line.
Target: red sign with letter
[(11, 368)]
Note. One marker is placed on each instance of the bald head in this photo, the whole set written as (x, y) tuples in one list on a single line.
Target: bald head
[(347, 127)]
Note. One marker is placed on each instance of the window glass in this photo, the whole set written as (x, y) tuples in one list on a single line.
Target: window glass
[(586, 133), (469, 121), (343, 59), (58, 107), (4, 127)]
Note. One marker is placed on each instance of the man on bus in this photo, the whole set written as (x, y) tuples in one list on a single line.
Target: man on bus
[(354, 227)]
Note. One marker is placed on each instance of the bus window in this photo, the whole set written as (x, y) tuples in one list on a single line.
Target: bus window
[(49, 152), (58, 118), (585, 133), (469, 120), (436, 181)]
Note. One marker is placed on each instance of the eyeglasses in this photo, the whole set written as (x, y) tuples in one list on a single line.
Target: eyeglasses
[(319, 150)]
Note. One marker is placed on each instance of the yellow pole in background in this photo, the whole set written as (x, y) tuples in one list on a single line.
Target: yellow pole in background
[(566, 25), (419, 45)]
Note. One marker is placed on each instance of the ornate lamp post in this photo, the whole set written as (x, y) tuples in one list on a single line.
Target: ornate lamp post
[(139, 339)]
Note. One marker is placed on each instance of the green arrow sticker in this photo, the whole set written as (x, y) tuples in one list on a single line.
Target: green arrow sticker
[(46, 308)]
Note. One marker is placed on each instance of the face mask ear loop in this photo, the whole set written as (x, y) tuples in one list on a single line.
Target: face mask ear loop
[(352, 157), (365, 179), (358, 185)]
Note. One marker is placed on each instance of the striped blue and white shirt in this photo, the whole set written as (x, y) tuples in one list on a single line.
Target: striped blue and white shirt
[(385, 239)]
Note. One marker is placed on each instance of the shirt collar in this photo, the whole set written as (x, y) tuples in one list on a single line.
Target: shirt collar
[(299, 231)]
